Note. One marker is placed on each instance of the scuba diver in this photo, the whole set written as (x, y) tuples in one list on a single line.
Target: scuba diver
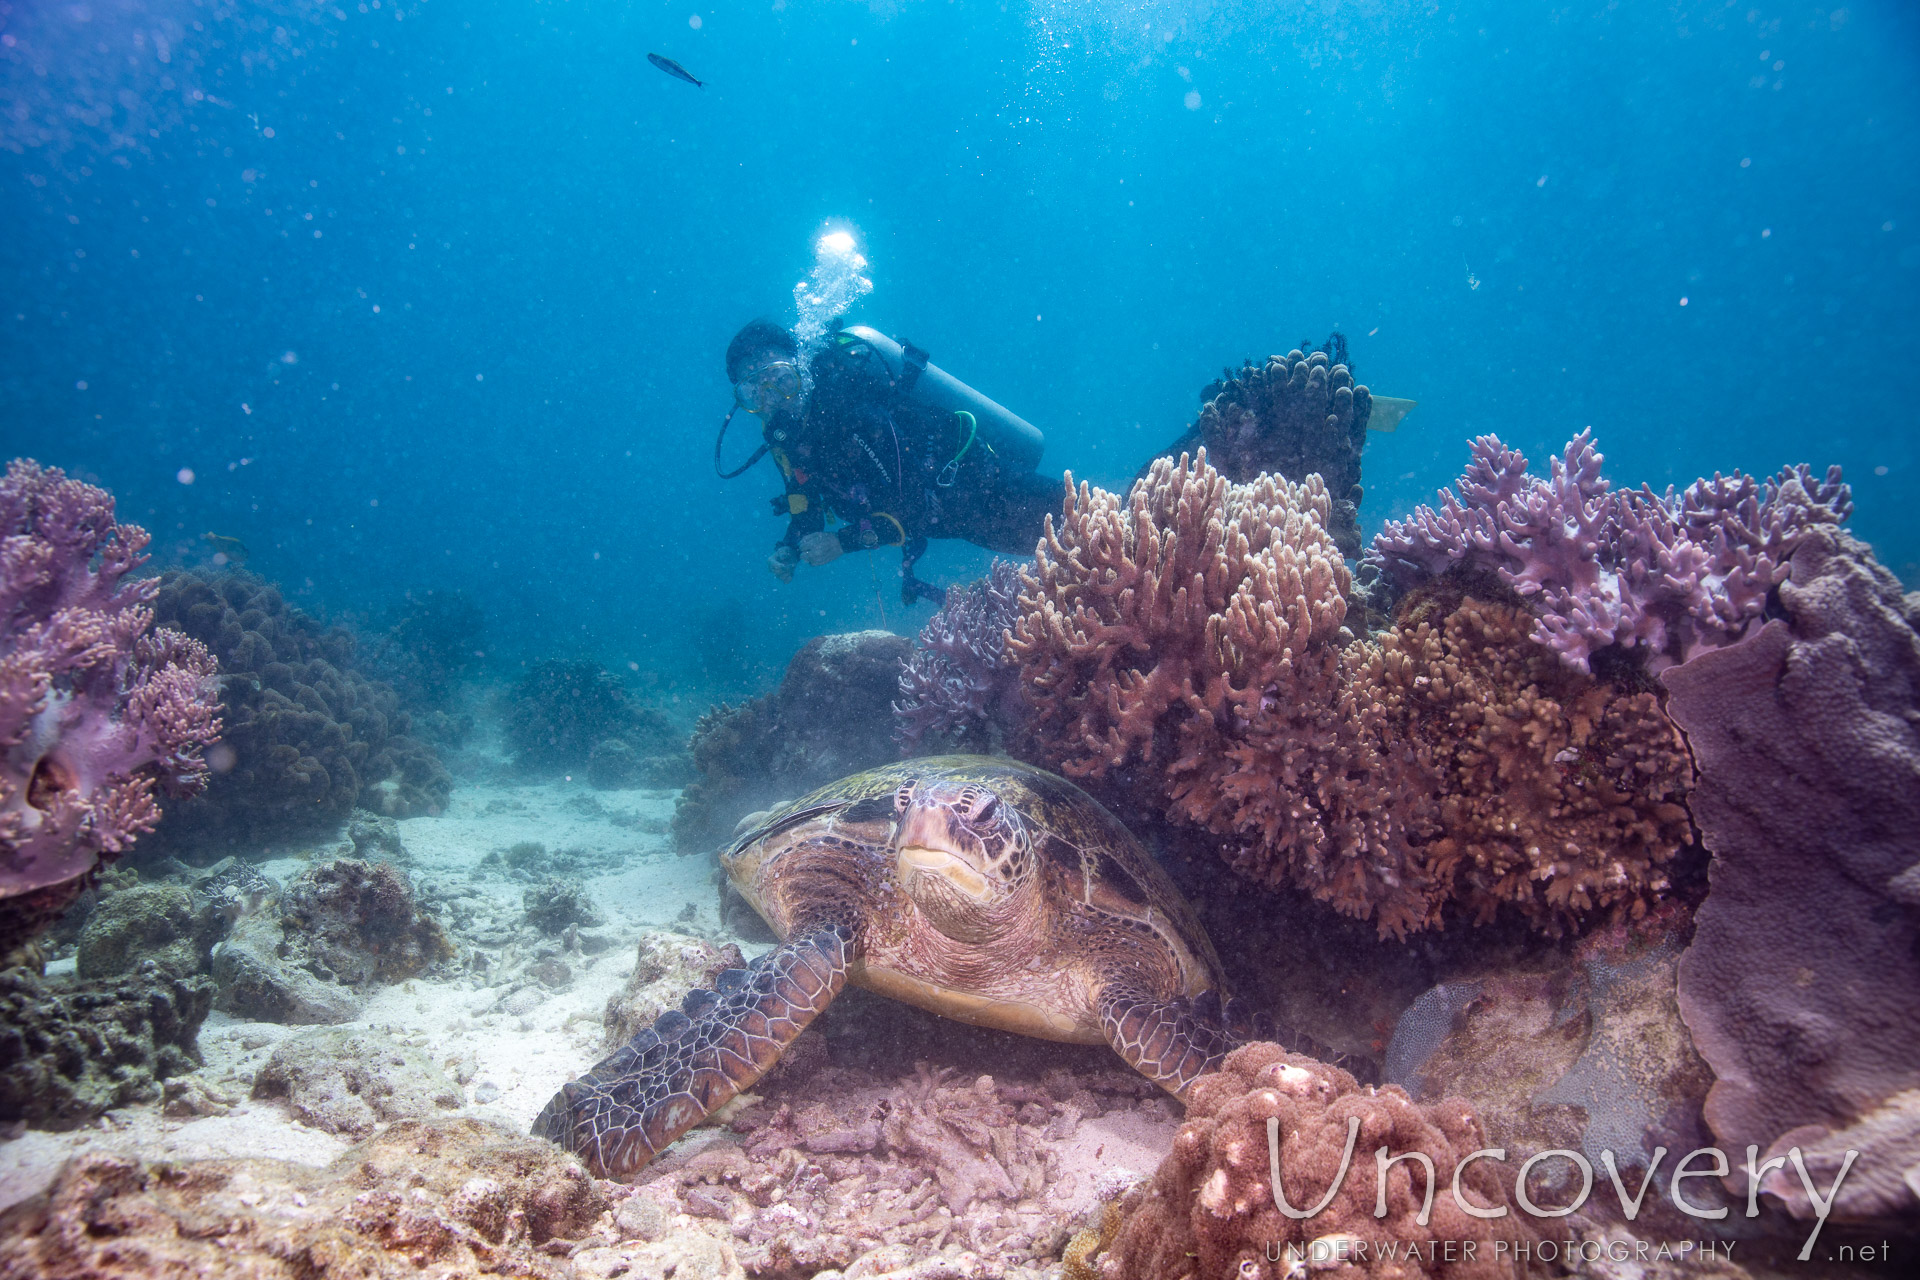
[(893, 448)]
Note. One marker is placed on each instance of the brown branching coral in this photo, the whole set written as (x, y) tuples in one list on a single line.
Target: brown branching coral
[(1187, 642), (1212, 1211), (1557, 793), (1151, 622)]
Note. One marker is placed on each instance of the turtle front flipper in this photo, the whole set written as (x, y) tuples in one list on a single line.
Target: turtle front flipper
[(1170, 1042), (671, 1076)]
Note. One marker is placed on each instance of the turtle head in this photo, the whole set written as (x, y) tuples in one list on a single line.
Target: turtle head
[(963, 855)]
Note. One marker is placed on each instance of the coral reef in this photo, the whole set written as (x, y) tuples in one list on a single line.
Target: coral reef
[(1189, 642), (1799, 985), (428, 1200), (339, 928), (559, 711), (68, 1054), (359, 924), (553, 905), (1211, 1209), (960, 690), (308, 735), (666, 966), (1673, 573), (831, 716), (1553, 792), (345, 1081), (161, 923), (96, 711), (431, 639), (1294, 415)]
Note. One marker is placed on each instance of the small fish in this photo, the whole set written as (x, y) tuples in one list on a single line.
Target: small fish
[(226, 550), (673, 69)]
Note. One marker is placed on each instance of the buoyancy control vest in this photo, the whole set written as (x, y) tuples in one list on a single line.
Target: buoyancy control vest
[(1013, 440)]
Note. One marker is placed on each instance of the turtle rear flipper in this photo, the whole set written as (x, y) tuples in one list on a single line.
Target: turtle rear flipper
[(668, 1078), (1170, 1042)]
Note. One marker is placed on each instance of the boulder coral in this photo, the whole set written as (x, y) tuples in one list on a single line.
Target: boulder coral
[(309, 736), (97, 712), (1211, 1209)]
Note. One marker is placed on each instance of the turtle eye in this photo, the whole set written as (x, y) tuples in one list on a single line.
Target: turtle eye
[(984, 805), (903, 797)]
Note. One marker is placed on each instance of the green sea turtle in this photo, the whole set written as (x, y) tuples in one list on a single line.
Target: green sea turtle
[(978, 888)]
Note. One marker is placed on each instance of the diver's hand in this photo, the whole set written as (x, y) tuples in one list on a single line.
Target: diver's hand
[(780, 563), (820, 548)]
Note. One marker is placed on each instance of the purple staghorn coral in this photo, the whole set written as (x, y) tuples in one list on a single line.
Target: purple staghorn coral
[(94, 710), (1674, 573), (960, 683)]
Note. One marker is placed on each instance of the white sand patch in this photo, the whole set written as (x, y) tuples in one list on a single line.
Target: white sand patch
[(1101, 1152)]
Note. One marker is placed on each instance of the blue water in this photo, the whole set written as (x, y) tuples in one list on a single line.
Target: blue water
[(433, 295)]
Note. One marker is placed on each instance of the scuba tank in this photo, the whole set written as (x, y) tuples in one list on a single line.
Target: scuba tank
[(1016, 442)]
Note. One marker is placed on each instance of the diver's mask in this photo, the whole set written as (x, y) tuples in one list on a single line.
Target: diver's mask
[(769, 387)]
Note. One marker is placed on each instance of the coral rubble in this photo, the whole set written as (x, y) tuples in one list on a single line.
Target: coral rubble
[(1799, 985), (96, 710), (831, 716), (1211, 1209), (345, 1081), (1672, 573), (308, 735), (961, 684), (433, 1200), (70, 1053)]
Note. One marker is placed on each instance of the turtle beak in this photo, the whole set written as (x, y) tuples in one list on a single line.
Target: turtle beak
[(919, 859)]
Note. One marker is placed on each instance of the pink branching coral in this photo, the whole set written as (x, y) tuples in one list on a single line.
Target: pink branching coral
[(1673, 573), (1151, 622), (95, 710), (1211, 1209)]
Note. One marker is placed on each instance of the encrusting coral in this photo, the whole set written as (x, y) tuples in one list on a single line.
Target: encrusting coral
[(69, 1053), (1799, 984), (1211, 1209), (96, 711), (1189, 641), (1673, 573)]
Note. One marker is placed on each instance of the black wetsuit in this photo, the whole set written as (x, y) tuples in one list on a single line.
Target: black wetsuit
[(885, 465)]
